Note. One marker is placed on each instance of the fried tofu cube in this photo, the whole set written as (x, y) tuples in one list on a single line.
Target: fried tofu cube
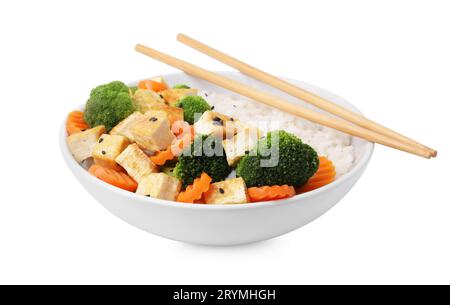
[(230, 191), (160, 185), (136, 162), (216, 124), (243, 142), (146, 99), (124, 127), (241, 126), (108, 148), (82, 144), (174, 114), (153, 133), (171, 96)]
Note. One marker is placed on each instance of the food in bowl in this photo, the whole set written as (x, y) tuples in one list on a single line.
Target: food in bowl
[(193, 146)]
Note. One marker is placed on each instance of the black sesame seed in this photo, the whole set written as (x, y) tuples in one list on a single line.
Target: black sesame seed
[(247, 151), (153, 119), (232, 119), (83, 129), (103, 152), (221, 190), (234, 106), (217, 121), (148, 195), (100, 140), (206, 94), (212, 107), (161, 96)]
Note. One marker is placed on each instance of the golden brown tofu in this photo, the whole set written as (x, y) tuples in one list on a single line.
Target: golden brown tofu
[(136, 162), (171, 96), (240, 144), (217, 124), (160, 185), (153, 133), (82, 144), (146, 99), (174, 114), (124, 127), (107, 149), (241, 126), (230, 191)]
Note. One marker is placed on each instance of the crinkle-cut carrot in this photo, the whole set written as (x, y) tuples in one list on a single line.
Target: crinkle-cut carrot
[(185, 136), (274, 192), (194, 192), (151, 85), (201, 200), (182, 128), (181, 144), (178, 127), (75, 122), (161, 157), (324, 175), (113, 177)]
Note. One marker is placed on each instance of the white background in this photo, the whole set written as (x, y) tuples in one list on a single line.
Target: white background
[(390, 58)]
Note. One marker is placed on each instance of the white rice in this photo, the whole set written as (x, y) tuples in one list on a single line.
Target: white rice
[(327, 142)]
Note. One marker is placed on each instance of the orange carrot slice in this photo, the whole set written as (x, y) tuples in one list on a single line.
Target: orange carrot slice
[(174, 150), (180, 144), (324, 175), (195, 191), (274, 192), (113, 177), (202, 199), (75, 122), (162, 157), (151, 85), (182, 128), (178, 127)]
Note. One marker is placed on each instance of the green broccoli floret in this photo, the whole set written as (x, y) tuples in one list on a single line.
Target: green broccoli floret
[(108, 105), (206, 154), (293, 163), (181, 86), (193, 107)]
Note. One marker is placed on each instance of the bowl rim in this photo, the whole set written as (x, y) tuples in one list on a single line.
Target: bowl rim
[(75, 166)]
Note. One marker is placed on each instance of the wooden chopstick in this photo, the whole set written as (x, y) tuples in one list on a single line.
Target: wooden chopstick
[(279, 103), (300, 93)]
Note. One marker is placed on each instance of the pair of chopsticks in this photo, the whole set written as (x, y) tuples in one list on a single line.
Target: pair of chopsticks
[(353, 123)]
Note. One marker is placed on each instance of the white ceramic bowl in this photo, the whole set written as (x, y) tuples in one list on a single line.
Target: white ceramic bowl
[(223, 224)]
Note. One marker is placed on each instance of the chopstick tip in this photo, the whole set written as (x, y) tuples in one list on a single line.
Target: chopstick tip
[(431, 154), (139, 47), (180, 36)]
